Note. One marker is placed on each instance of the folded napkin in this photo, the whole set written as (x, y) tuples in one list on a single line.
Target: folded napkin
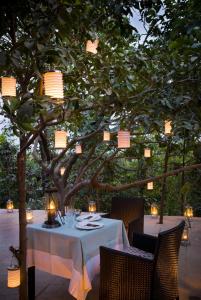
[(89, 217)]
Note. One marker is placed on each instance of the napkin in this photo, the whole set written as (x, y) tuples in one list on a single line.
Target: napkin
[(89, 217)]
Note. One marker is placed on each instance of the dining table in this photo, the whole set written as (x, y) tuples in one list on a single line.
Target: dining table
[(71, 252)]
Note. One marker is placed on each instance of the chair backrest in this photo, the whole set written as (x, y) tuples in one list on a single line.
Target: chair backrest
[(165, 284), (128, 209)]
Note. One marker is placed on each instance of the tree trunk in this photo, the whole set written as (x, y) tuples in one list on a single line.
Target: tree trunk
[(21, 167), (163, 190)]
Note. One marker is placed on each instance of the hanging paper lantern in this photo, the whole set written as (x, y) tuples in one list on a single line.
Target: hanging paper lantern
[(150, 185), (13, 277), (92, 206), (106, 136), (9, 206), (123, 139), (188, 213), (8, 86), (78, 149), (154, 210), (29, 215), (91, 46), (147, 152), (62, 171), (60, 139), (168, 127), (53, 84)]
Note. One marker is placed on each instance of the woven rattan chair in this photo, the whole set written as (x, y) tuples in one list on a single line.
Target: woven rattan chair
[(131, 211), (149, 270)]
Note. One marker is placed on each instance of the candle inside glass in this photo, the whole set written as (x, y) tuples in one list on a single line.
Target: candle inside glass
[(92, 206), (154, 210), (51, 211), (29, 215), (9, 206)]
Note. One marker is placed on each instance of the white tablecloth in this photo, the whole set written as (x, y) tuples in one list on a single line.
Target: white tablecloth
[(73, 253)]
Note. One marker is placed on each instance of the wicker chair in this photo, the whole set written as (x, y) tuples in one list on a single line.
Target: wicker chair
[(149, 270), (131, 211)]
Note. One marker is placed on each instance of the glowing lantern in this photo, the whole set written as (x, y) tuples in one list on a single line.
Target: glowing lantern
[(106, 136), (147, 152), (29, 215), (9, 206), (53, 84), (8, 86), (62, 171), (123, 139), (168, 127), (150, 185), (92, 206), (13, 277), (91, 46), (188, 213), (60, 139), (78, 149), (154, 210), (185, 236), (51, 207)]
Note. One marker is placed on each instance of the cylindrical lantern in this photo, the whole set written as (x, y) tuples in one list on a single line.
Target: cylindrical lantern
[(91, 46), (60, 139), (9, 206), (52, 212), (29, 215), (92, 206), (53, 84), (168, 127), (78, 149), (185, 236), (123, 139), (147, 152), (106, 136), (13, 277), (188, 213), (8, 86), (62, 171), (150, 185), (154, 210)]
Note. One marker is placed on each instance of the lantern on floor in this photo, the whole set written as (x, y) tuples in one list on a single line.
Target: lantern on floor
[(123, 139), (154, 210), (29, 215), (60, 139), (13, 276), (8, 86), (62, 171), (91, 46), (9, 206), (147, 152), (150, 185), (106, 136), (92, 206), (52, 212), (78, 149), (188, 213), (168, 127), (53, 84)]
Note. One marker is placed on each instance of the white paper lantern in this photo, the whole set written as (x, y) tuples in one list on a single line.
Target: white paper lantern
[(53, 84), (150, 185), (106, 136), (147, 152), (8, 86), (168, 127), (60, 139), (123, 139), (78, 149), (62, 171), (91, 46), (13, 277)]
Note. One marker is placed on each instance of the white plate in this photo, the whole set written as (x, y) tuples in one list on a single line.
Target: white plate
[(89, 217), (89, 225)]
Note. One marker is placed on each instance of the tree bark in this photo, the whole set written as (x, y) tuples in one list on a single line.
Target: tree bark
[(163, 190), (21, 172)]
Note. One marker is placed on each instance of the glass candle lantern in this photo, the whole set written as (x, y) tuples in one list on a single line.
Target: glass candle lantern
[(150, 185), (91, 46), (13, 277), (106, 136), (52, 212), (188, 213), (185, 236), (154, 210), (168, 127), (123, 139), (9, 206), (29, 215), (92, 206), (147, 152), (8, 86)]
